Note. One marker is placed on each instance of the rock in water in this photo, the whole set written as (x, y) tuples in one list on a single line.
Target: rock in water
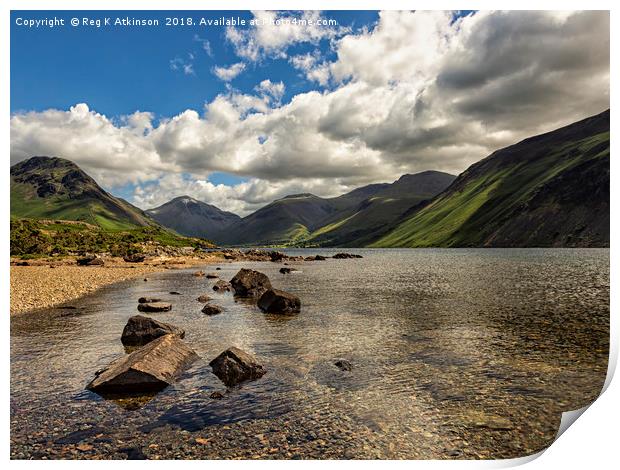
[(278, 301), (211, 309), (141, 330), (155, 307), (234, 366), (250, 283), (212, 276), (287, 270), (222, 286), (203, 298), (150, 368), (199, 274), (315, 258), (345, 256), (148, 300)]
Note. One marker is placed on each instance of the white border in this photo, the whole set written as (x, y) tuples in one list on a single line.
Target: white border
[(591, 443)]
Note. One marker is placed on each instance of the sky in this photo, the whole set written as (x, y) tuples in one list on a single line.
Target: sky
[(240, 115)]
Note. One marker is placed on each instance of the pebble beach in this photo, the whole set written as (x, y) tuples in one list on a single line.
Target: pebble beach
[(46, 285)]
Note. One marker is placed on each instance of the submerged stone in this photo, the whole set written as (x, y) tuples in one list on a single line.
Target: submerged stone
[(155, 307)]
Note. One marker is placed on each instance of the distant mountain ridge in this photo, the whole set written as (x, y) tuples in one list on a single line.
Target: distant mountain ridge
[(190, 217), (302, 219), (55, 188)]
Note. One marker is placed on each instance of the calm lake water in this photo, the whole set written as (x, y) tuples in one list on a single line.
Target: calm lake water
[(456, 353)]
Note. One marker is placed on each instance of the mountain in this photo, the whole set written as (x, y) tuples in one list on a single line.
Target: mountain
[(192, 218), (551, 190), (306, 219), (359, 224), (55, 188), (279, 222)]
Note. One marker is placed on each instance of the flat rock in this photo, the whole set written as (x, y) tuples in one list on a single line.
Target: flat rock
[(155, 307), (211, 309), (278, 301), (315, 258), (150, 368), (222, 286), (234, 366), (212, 276), (250, 283), (141, 330), (345, 256), (148, 300), (199, 274)]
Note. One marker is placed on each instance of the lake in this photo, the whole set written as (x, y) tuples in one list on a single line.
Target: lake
[(455, 353)]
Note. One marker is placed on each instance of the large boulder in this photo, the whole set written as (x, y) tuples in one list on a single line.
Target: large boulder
[(150, 368), (234, 366), (250, 283), (211, 309), (141, 330), (278, 301), (155, 307), (222, 286)]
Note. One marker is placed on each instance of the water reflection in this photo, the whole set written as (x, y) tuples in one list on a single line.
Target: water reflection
[(447, 346)]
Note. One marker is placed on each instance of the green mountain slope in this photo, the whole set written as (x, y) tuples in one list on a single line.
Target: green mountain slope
[(280, 222), (350, 219), (360, 223), (548, 190), (55, 188)]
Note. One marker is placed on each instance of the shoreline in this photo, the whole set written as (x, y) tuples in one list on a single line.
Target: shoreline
[(45, 284)]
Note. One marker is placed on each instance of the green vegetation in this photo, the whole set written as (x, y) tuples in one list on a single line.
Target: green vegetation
[(54, 188), (36, 238), (550, 190)]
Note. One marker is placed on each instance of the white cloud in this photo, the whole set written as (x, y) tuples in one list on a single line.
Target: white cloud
[(313, 69), (270, 90), (206, 45), (418, 91), (272, 33), (185, 66), (229, 73)]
